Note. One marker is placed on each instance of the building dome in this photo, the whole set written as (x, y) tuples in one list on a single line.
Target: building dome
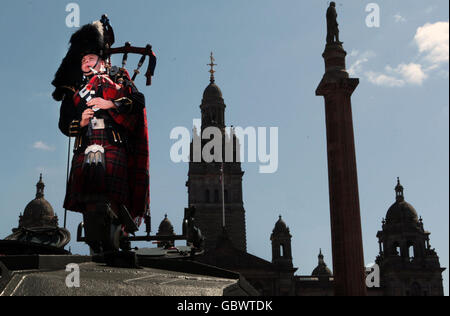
[(321, 269), (38, 226), (39, 212), (165, 228), (212, 91), (280, 226), (401, 211)]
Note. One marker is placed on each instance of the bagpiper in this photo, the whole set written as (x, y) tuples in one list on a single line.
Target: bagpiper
[(102, 108)]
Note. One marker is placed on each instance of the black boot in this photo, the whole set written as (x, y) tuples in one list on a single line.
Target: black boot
[(127, 221), (102, 229)]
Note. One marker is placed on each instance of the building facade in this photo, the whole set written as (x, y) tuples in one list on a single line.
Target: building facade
[(407, 263), (205, 190)]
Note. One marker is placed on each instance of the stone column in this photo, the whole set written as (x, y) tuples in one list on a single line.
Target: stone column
[(348, 259)]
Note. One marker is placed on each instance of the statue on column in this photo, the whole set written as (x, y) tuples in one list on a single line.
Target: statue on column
[(332, 25)]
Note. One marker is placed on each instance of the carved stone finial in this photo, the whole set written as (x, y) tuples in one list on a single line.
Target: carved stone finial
[(40, 188)]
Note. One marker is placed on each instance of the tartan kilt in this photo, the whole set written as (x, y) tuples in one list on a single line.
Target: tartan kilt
[(113, 185)]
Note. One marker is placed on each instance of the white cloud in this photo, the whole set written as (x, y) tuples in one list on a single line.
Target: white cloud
[(433, 43), (354, 53), (398, 77), (399, 19), (357, 67), (42, 146), (432, 40), (411, 73), (380, 79)]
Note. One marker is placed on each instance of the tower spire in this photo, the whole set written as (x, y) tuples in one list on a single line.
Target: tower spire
[(399, 191), (212, 64)]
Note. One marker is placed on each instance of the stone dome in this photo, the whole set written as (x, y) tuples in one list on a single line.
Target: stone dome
[(165, 228), (280, 226), (39, 208), (39, 212), (321, 269), (212, 91), (401, 211)]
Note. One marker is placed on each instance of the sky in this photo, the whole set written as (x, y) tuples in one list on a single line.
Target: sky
[(269, 64)]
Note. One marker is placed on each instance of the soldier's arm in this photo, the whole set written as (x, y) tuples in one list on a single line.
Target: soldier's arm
[(69, 122), (129, 108), (134, 103)]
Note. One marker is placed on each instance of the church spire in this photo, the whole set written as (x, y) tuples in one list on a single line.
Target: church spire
[(40, 188), (213, 106), (204, 186), (212, 71)]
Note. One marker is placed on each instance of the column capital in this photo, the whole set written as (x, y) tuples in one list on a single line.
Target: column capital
[(345, 85)]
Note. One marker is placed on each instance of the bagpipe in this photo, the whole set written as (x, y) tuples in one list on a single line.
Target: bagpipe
[(118, 74)]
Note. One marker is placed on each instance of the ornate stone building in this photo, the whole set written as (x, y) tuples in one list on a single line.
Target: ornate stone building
[(204, 177), (401, 274), (38, 212), (408, 264), (165, 229), (226, 248), (39, 224), (268, 278)]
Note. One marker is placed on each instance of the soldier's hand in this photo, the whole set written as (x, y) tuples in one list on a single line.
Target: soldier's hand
[(100, 103), (86, 117)]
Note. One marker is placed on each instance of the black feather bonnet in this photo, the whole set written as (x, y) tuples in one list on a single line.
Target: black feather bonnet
[(89, 39)]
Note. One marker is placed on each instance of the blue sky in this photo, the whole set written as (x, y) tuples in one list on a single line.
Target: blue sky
[(269, 64)]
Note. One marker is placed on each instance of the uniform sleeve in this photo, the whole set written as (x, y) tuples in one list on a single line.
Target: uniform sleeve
[(138, 100), (128, 109), (132, 104), (69, 122)]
